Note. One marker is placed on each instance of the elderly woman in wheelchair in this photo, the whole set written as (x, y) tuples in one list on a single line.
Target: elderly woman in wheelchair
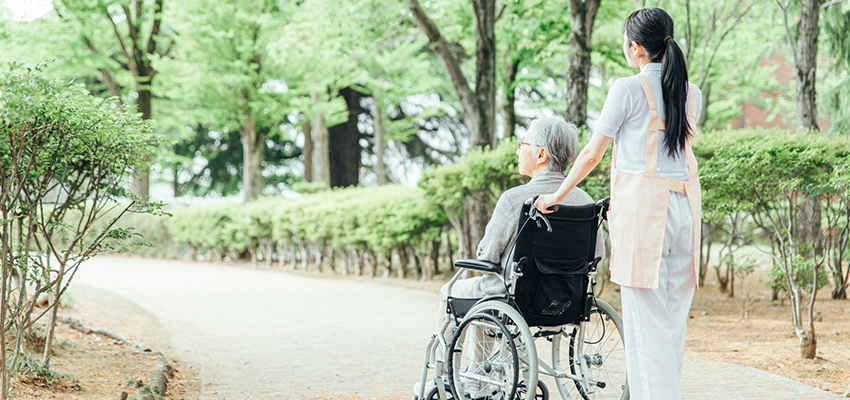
[(538, 276)]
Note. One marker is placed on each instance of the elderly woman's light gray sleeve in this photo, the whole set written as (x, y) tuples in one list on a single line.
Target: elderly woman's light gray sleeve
[(600, 244), (499, 232)]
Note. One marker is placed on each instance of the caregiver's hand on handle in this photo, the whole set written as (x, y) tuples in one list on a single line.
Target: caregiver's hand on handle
[(546, 201)]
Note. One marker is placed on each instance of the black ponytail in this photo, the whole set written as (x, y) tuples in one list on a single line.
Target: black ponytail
[(652, 28)]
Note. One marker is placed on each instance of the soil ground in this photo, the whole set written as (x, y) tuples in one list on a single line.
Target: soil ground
[(101, 368), (97, 367), (766, 340)]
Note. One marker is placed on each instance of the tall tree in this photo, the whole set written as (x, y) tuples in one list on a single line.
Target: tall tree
[(223, 68), (392, 36), (315, 49), (804, 51), (582, 17), (137, 38), (528, 32), (479, 105)]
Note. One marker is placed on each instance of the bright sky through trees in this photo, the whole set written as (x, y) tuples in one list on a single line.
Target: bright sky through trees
[(27, 10)]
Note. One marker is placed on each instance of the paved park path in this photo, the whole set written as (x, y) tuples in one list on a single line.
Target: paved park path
[(259, 334)]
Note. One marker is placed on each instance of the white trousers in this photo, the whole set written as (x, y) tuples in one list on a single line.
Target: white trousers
[(654, 319)]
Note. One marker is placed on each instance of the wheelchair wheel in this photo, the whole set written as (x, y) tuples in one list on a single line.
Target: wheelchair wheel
[(484, 363), (541, 394), (523, 340), (601, 349)]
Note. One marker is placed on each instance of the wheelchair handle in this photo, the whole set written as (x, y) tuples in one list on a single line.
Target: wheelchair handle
[(538, 216), (531, 201), (604, 205)]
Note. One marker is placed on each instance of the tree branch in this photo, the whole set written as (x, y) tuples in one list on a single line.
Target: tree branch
[(441, 47), (130, 61), (157, 21), (827, 4)]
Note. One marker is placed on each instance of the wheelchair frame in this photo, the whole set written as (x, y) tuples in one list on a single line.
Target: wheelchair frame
[(437, 351)]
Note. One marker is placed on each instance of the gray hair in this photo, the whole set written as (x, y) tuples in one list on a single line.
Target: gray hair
[(559, 138)]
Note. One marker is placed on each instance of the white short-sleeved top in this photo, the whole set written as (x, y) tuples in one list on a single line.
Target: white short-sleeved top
[(625, 117)]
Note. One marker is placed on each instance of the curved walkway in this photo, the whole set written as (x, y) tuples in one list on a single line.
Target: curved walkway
[(259, 334)]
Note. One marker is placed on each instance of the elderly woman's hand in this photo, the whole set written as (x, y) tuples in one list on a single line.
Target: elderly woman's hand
[(544, 202)]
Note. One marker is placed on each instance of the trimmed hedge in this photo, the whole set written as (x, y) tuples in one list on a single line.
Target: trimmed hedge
[(377, 222)]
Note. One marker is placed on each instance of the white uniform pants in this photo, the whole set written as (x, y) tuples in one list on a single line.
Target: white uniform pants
[(654, 319)]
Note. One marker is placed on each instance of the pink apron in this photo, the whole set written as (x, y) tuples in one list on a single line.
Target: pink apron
[(638, 215)]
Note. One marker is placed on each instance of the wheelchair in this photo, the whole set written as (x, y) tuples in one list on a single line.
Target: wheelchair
[(493, 351)]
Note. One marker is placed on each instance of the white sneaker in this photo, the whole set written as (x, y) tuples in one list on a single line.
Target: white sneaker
[(475, 388), (429, 385)]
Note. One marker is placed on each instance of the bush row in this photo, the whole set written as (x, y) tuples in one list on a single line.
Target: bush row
[(353, 229)]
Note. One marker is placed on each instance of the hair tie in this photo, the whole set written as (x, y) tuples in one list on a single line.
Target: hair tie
[(667, 37)]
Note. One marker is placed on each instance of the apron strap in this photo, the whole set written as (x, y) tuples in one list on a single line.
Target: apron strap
[(692, 104), (692, 119), (655, 124)]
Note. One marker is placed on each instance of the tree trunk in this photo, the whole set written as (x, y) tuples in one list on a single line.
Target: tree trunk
[(344, 143), (449, 251), (330, 257), (380, 140), (370, 262), (175, 184), (51, 322), (582, 17), (401, 253), (305, 255), (321, 157), (141, 177), (475, 217), (839, 290), (435, 257), (386, 264), (307, 150), (806, 65), (318, 256), (6, 268), (705, 251), (485, 73), (413, 259), (357, 260), (808, 344), (292, 256), (253, 150), (509, 71)]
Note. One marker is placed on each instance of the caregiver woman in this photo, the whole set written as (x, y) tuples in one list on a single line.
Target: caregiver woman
[(655, 201)]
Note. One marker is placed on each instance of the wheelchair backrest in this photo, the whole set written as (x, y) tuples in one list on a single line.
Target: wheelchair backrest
[(554, 253)]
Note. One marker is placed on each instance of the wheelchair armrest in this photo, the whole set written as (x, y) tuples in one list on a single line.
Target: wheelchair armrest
[(478, 265)]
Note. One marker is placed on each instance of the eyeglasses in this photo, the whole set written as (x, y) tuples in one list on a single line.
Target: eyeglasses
[(524, 144)]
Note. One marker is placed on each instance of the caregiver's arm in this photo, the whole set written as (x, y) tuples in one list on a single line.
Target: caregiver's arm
[(587, 160)]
